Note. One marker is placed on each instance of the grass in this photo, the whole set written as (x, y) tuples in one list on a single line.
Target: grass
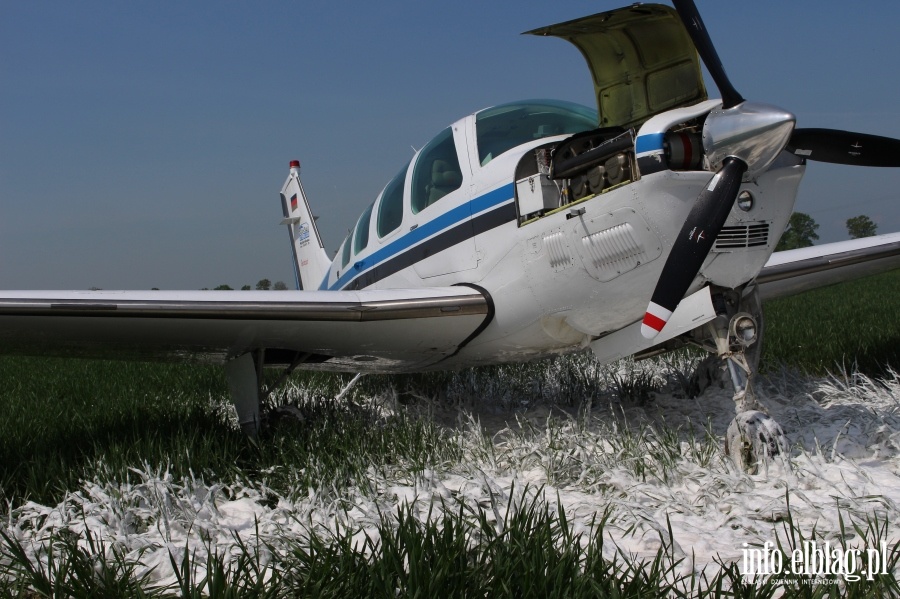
[(851, 324), (69, 421), (62, 415), (531, 552)]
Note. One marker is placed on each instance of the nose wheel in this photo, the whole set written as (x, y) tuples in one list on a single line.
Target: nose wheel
[(753, 438)]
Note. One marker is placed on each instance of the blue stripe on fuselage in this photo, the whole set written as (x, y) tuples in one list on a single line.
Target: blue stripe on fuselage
[(649, 143), (423, 232)]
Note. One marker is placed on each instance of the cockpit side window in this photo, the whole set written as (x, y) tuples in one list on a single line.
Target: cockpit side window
[(504, 127), (437, 171), (390, 210), (361, 236)]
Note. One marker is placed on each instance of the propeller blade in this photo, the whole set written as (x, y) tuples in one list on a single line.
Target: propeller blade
[(845, 147), (702, 226), (690, 16)]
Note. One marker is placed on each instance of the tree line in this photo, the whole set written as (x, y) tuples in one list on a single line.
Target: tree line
[(801, 230), (261, 285)]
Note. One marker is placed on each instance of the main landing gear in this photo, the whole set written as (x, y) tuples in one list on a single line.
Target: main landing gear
[(245, 382), (734, 336), (249, 393)]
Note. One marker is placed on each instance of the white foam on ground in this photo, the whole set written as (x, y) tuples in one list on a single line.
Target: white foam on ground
[(638, 461)]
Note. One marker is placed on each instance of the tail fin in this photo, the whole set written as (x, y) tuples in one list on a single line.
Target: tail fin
[(311, 263)]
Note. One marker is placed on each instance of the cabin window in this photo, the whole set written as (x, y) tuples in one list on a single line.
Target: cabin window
[(390, 210), (361, 236), (504, 127), (345, 255), (437, 171)]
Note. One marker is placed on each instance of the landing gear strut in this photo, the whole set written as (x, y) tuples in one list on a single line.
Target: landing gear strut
[(734, 336), (245, 382)]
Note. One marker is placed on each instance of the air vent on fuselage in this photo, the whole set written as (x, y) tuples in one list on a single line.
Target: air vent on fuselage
[(742, 236), (558, 250), (614, 251)]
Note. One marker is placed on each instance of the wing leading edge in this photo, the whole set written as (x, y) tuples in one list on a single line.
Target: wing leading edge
[(794, 271), (367, 330)]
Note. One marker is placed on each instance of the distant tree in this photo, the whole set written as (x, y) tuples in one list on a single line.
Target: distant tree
[(222, 288), (245, 288), (861, 226), (800, 232), (154, 289), (264, 285), (280, 286)]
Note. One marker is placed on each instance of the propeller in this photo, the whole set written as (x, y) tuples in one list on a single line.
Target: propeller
[(845, 147), (699, 232), (690, 16), (742, 138), (710, 210)]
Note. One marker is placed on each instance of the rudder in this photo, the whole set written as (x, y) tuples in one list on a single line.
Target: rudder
[(311, 263)]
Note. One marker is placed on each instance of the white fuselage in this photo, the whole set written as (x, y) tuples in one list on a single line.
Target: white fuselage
[(586, 269)]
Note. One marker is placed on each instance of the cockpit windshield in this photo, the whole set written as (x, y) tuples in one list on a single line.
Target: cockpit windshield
[(504, 127)]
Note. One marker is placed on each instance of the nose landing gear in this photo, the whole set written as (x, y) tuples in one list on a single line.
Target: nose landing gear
[(753, 437)]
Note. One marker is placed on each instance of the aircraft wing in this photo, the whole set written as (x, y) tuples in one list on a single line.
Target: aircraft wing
[(795, 271), (367, 330)]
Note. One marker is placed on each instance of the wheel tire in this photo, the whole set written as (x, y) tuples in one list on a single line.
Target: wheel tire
[(753, 438)]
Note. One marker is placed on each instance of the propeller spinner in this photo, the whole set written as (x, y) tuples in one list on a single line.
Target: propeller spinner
[(742, 139)]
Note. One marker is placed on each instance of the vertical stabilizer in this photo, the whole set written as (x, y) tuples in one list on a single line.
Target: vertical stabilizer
[(311, 263)]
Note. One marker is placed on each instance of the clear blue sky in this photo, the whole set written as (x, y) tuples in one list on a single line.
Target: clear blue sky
[(142, 144)]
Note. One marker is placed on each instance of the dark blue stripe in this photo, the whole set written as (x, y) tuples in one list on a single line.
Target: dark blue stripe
[(505, 213), (458, 219)]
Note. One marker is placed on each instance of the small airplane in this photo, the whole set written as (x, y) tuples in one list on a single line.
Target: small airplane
[(523, 231)]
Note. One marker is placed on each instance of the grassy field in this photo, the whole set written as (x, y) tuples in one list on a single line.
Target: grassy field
[(69, 421), (854, 323), (66, 420)]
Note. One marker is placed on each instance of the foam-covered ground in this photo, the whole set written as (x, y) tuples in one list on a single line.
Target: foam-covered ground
[(652, 465)]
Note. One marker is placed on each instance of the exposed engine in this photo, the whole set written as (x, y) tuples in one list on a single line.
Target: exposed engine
[(579, 167)]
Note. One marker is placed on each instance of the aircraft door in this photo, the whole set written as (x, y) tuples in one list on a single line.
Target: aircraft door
[(439, 198)]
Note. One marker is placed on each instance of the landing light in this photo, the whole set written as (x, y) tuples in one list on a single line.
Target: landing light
[(742, 329), (745, 201)]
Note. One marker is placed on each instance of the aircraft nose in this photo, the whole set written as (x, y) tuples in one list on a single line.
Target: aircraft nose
[(753, 132)]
